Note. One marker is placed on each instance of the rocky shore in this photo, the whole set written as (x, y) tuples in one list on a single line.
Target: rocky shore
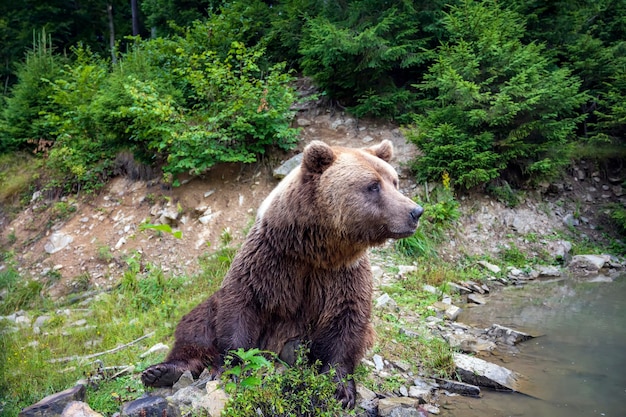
[(419, 396)]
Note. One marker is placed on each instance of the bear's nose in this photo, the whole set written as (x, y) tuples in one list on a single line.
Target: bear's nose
[(416, 213)]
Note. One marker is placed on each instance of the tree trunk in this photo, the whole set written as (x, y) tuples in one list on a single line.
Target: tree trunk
[(134, 8), (111, 33)]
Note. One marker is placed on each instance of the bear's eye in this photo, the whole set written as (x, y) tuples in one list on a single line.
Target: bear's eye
[(395, 183), (374, 187)]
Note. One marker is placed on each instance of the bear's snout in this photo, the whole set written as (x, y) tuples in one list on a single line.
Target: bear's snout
[(416, 213)]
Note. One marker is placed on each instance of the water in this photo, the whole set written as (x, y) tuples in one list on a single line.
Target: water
[(577, 368)]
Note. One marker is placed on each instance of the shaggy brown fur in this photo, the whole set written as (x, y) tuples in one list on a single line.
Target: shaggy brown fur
[(303, 273)]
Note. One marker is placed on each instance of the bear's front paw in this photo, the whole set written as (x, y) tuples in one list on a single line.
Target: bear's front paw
[(346, 393), (161, 375)]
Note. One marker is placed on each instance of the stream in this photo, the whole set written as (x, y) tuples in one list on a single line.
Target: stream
[(576, 368)]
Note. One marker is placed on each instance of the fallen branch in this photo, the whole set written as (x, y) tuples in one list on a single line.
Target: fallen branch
[(95, 355)]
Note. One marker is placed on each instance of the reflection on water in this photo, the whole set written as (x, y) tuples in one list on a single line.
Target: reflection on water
[(577, 368)]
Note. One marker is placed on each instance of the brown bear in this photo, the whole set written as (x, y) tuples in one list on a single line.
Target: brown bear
[(303, 273)]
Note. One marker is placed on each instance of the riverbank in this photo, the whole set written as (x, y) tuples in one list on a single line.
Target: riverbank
[(94, 280)]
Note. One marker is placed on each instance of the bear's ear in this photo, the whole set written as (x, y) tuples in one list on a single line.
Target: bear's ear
[(317, 157), (384, 150)]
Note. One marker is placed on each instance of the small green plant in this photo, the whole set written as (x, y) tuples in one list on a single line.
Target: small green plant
[(504, 193), (226, 237), (104, 253), (257, 387), (441, 210), (513, 256), (161, 228), (617, 214)]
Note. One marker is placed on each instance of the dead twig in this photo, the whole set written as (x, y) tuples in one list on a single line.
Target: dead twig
[(95, 355)]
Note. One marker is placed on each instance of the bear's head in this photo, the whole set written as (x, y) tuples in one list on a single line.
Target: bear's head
[(356, 192)]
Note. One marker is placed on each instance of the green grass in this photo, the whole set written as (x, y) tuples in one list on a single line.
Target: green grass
[(17, 172), (144, 302)]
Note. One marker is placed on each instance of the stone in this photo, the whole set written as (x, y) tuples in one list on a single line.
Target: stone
[(479, 372), (403, 391), (216, 398), (184, 381), (53, 405), (79, 409), (385, 300), (367, 139), (588, 263), (387, 406), (423, 394), (158, 348), (457, 387), (452, 312), (288, 166), (378, 362), (149, 406), (508, 335), (459, 288), (365, 393), (406, 269), (548, 271), (58, 241), (476, 299), (495, 269), (302, 122), (468, 343)]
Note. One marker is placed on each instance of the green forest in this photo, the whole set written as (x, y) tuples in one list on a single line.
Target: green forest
[(490, 91)]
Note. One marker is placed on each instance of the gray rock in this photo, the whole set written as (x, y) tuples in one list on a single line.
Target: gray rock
[(588, 263), (479, 372), (150, 406), (490, 267), (461, 388), (394, 406), (548, 271), (476, 299), (184, 381), (287, 167), (403, 391), (570, 220), (302, 122), (365, 393), (378, 362), (158, 348), (216, 399), (79, 409), (58, 241), (469, 343), (385, 301), (53, 405), (508, 335), (459, 288)]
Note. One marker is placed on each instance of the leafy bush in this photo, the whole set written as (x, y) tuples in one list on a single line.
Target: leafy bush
[(257, 387), (362, 54), (494, 105), (441, 210), (21, 122)]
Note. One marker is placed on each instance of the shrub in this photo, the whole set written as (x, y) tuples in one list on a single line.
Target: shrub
[(258, 388), (21, 119), (494, 105)]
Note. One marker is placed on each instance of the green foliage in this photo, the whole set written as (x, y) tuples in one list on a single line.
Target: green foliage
[(362, 53), (441, 210), (257, 387), (617, 214), (494, 105), (162, 228), (21, 123), (502, 191), (18, 172)]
